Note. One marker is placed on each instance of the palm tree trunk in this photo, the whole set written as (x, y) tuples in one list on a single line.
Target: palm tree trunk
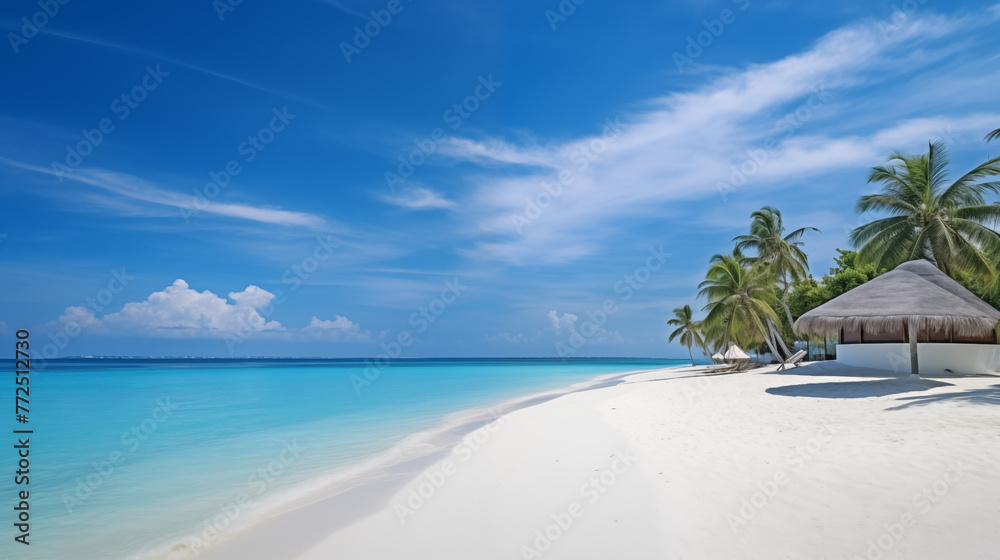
[(788, 313), (781, 341), (770, 343), (784, 303), (690, 354)]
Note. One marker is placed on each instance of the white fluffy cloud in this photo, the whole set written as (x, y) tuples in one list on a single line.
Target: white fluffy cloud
[(566, 321), (339, 329), (181, 312), (253, 296), (79, 315), (565, 326)]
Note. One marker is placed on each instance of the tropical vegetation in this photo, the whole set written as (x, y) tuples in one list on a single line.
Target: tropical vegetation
[(752, 301), (847, 275), (739, 298), (947, 223), (781, 255), (687, 329)]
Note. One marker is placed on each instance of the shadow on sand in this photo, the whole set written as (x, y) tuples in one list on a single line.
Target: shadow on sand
[(986, 395), (837, 369), (857, 389), (880, 383)]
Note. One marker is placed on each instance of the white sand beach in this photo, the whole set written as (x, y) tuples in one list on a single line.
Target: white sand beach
[(820, 462)]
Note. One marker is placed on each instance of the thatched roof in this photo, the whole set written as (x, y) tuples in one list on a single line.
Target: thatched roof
[(914, 291)]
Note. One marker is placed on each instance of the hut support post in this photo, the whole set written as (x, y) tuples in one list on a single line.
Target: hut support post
[(914, 363)]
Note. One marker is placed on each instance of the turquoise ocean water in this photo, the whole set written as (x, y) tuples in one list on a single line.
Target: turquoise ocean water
[(135, 457)]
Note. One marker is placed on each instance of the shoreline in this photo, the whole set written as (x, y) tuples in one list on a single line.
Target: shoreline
[(811, 462), (345, 495), (820, 461)]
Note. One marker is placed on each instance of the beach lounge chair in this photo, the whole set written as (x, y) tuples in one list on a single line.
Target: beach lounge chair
[(793, 360)]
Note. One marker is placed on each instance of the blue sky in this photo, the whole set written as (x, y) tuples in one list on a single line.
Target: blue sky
[(334, 178)]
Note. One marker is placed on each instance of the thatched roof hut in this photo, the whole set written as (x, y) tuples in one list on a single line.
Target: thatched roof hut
[(914, 302)]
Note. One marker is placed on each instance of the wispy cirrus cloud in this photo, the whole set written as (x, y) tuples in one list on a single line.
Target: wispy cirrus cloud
[(519, 338), (174, 63), (417, 198), (347, 10), (165, 202), (784, 121)]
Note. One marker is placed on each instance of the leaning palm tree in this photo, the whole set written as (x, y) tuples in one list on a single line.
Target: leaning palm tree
[(780, 253), (739, 298), (947, 224), (993, 135), (688, 329)]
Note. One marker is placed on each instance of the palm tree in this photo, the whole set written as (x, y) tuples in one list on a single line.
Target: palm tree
[(993, 135), (781, 254), (687, 328), (947, 224), (739, 298)]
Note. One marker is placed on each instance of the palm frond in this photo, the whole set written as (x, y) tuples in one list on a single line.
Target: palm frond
[(885, 203), (797, 234), (862, 234), (986, 214), (967, 192), (949, 226), (888, 246), (937, 165)]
